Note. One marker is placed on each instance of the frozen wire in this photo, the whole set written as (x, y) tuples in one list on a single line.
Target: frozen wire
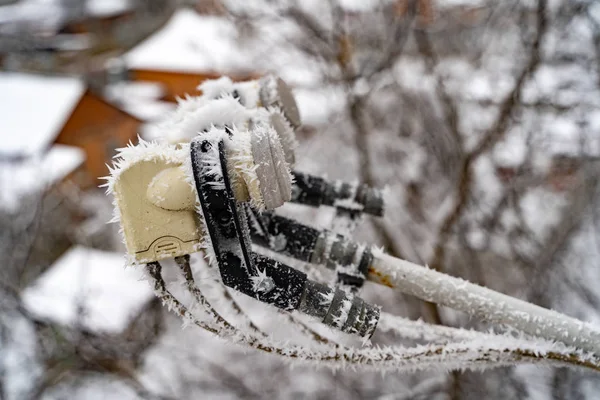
[(488, 351)]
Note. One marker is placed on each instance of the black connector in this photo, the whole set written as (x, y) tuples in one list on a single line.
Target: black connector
[(260, 277), (303, 243), (315, 191)]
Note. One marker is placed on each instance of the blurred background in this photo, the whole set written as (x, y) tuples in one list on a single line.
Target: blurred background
[(481, 118)]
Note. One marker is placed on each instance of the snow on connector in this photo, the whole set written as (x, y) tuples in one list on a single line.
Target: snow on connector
[(247, 93), (273, 173), (274, 92), (195, 116), (270, 93)]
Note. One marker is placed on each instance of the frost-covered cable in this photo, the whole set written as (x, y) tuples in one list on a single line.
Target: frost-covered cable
[(183, 262), (306, 330), (487, 351), (238, 310), (420, 330), (324, 248), (481, 302), (184, 265)]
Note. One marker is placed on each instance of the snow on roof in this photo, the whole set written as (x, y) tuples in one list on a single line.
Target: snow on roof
[(107, 7), (51, 13), (21, 178), (191, 42), (60, 161), (34, 109), (135, 91), (92, 285), (46, 14), (148, 110), (140, 99)]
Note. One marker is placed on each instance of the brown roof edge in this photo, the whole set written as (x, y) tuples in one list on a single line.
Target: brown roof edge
[(109, 103), (143, 74)]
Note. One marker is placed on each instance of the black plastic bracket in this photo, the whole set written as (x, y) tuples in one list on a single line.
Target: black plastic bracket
[(260, 277), (315, 191), (304, 243)]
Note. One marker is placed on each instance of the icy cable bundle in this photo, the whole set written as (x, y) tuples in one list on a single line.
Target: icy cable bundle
[(270, 101), (230, 105), (176, 199), (212, 185)]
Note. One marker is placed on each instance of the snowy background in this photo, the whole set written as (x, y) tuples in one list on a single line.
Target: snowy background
[(482, 120)]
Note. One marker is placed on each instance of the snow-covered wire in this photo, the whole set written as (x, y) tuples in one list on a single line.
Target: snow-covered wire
[(184, 266), (486, 351), (307, 330), (186, 270), (238, 310), (420, 330), (473, 299), (482, 302)]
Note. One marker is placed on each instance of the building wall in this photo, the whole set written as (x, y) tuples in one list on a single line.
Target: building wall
[(99, 128)]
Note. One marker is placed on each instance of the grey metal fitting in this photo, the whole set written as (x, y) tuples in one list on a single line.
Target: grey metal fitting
[(275, 92), (340, 310), (344, 255), (371, 199)]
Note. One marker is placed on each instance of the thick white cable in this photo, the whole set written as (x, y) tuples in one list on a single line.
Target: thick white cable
[(482, 303), (488, 352)]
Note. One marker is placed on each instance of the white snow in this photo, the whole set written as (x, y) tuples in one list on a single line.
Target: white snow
[(132, 90), (140, 99), (46, 14), (594, 12), (511, 151), (479, 88), (107, 7), (95, 282), (562, 137), (34, 109), (542, 210), (485, 173), (36, 174), (60, 161), (20, 356), (457, 3), (361, 5), (190, 42), (148, 110), (195, 115), (49, 13), (151, 131), (317, 107)]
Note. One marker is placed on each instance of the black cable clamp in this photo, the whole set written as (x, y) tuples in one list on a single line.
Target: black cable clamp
[(304, 243), (260, 277), (315, 191)]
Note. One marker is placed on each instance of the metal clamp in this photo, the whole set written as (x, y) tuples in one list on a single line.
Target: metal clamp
[(259, 277), (289, 237)]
